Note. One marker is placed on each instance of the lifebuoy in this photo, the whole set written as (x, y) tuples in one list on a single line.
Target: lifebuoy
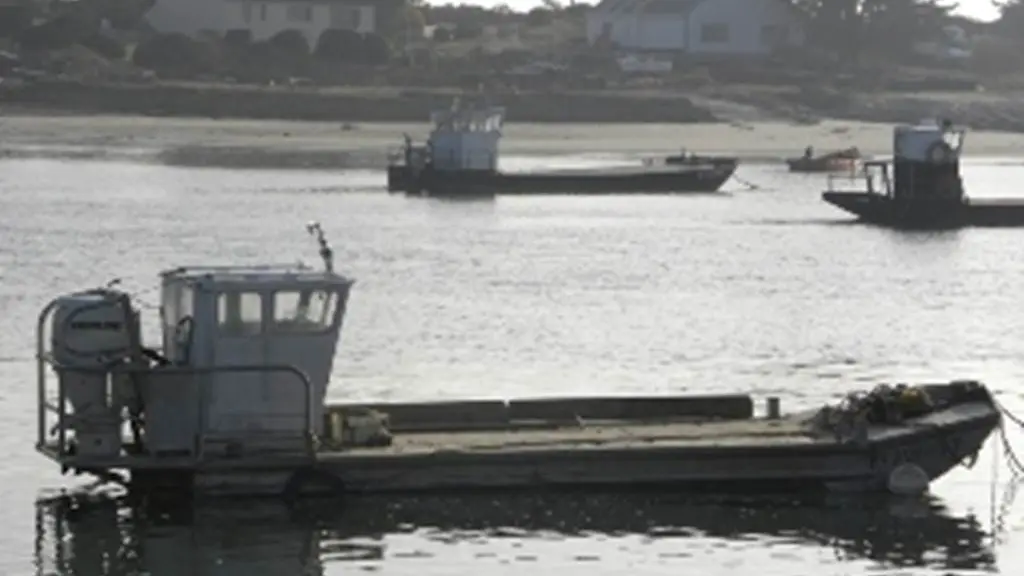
[(940, 152)]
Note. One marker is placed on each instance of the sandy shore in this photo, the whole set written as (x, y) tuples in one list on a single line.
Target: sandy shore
[(282, 144)]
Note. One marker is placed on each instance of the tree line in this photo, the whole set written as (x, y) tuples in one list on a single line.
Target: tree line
[(853, 28), (1011, 19)]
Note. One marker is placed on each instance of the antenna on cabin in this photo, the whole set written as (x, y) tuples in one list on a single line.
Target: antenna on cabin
[(326, 254)]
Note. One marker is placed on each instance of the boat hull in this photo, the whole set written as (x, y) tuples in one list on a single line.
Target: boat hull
[(399, 178), (460, 447), (825, 468), (682, 180), (883, 211)]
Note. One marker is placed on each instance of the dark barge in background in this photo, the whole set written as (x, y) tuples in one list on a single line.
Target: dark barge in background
[(460, 159), (924, 188)]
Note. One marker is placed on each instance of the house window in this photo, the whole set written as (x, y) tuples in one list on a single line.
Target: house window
[(263, 12), (357, 18), (772, 34), (300, 13), (247, 12), (714, 33), (240, 313)]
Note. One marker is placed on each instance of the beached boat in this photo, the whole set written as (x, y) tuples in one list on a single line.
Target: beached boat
[(922, 187), (460, 159), (235, 404), (839, 161)]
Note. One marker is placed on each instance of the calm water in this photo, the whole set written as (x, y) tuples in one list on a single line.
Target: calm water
[(765, 291)]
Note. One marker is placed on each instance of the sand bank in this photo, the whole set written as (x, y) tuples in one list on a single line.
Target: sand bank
[(285, 144)]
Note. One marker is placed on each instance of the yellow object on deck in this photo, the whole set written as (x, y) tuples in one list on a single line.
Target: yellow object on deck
[(915, 398)]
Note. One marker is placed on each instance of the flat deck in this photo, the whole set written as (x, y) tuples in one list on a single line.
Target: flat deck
[(792, 430)]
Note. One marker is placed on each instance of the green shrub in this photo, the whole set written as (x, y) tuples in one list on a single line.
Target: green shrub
[(339, 46)]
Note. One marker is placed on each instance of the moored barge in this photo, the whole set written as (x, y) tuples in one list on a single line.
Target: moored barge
[(235, 403), (461, 155), (924, 188)]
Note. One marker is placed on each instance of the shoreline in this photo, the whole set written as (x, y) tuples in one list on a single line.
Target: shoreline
[(722, 103), (277, 144)]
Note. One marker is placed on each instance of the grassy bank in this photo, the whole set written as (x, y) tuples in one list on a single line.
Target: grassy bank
[(352, 104)]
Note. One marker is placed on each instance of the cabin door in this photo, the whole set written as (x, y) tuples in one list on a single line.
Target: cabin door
[(304, 327), (239, 400)]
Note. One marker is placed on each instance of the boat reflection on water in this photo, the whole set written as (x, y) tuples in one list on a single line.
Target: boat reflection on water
[(107, 537)]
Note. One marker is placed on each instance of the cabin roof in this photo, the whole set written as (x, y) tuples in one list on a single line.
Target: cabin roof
[(270, 275)]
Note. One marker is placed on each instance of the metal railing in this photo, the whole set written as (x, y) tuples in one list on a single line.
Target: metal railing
[(849, 183), (872, 177), (45, 360), (202, 398)]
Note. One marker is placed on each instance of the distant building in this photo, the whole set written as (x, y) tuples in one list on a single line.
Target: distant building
[(949, 43), (265, 18), (700, 27)]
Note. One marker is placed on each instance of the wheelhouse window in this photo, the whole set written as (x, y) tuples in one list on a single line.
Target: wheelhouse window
[(304, 311), (240, 313), (185, 301), (176, 304)]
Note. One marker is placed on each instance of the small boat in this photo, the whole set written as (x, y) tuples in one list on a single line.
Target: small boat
[(460, 160), (922, 186), (186, 419), (840, 161)]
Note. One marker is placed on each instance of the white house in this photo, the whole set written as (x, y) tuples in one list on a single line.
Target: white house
[(263, 18), (707, 27)]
